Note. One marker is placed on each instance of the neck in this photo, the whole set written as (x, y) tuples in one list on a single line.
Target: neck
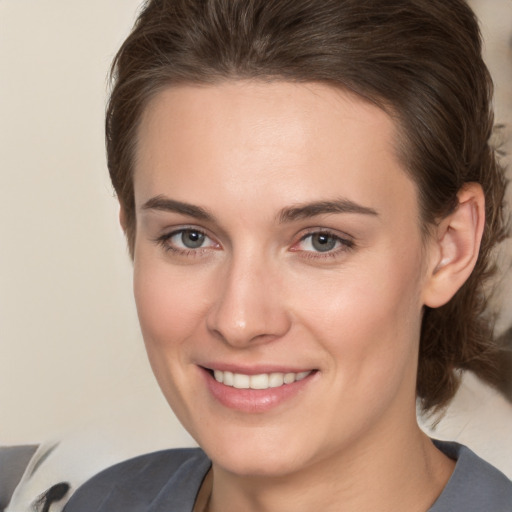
[(390, 472)]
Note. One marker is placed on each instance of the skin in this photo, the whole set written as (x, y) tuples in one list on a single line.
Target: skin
[(259, 292)]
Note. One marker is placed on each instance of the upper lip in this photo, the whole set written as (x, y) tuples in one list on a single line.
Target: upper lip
[(255, 369)]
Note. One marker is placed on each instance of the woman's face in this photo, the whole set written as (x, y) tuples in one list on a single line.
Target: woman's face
[(278, 247)]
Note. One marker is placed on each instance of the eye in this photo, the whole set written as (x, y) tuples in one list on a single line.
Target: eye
[(186, 241), (320, 242), (323, 242)]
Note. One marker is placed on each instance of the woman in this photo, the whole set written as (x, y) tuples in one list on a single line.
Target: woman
[(310, 200)]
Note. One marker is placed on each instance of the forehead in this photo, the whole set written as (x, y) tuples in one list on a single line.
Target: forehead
[(290, 141)]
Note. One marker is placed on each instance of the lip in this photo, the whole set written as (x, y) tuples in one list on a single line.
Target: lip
[(254, 401), (254, 369)]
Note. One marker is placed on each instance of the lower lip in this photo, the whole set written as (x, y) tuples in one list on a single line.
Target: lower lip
[(254, 400)]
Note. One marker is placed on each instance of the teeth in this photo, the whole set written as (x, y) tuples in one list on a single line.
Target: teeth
[(275, 380), (260, 381), (228, 378), (241, 381), (289, 378)]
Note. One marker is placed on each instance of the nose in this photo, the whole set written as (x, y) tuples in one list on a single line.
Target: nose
[(248, 308)]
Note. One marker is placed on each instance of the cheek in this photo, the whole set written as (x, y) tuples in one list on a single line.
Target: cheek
[(168, 304), (368, 318), (169, 309)]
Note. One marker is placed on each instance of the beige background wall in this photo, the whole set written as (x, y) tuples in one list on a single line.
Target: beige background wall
[(70, 348), (69, 342)]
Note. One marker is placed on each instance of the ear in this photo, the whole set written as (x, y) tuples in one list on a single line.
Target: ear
[(455, 246)]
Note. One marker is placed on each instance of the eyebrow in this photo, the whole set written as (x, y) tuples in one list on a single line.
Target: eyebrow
[(304, 211), (289, 214), (166, 204)]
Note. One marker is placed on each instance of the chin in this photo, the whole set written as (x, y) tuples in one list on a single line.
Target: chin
[(256, 454)]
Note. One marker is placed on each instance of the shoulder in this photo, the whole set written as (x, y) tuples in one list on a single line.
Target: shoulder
[(474, 486), (170, 478)]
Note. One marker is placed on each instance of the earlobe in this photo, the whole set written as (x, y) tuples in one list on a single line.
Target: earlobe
[(456, 246)]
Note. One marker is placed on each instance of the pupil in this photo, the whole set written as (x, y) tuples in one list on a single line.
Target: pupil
[(323, 243), (192, 239)]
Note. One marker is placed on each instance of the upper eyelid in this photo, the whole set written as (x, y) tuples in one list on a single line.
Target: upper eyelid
[(171, 231), (327, 231), (164, 241), (346, 242), (168, 234)]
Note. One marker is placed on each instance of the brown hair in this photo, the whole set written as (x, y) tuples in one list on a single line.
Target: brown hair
[(420, 60)]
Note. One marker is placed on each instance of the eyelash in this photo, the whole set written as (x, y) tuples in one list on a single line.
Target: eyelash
[(345, 244), (164, 242)]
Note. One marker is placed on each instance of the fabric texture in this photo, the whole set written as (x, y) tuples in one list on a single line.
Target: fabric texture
[(168, 481), (13, 461), (475, 485)]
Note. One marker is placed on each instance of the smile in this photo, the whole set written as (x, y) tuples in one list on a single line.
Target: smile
[(260, 381)]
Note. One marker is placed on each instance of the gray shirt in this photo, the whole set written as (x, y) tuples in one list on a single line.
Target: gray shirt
[(168, 481)]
